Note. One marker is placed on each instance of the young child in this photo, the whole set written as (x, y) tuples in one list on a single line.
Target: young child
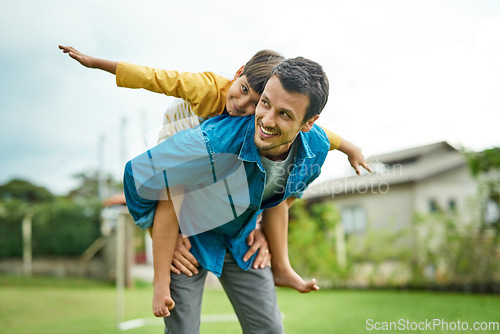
[(209, 95)]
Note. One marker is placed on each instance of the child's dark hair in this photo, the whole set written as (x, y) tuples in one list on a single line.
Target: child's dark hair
[(257, 69)]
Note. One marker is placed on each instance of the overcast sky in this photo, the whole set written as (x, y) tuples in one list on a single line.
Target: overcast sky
[(403, 73)]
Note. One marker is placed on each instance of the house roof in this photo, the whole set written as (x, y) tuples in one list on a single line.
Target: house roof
[(408, 166), (411, 153)]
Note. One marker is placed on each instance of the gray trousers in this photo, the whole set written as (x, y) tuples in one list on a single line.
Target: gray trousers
[(252, 294)]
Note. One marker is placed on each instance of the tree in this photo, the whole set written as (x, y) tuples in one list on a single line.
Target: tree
[(485, 167), (18, 200), (485, 161), (24, 191), (64, 225), (312, 243), (89, 184)]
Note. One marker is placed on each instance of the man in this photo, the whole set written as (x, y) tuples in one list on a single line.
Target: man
[(228, 179)]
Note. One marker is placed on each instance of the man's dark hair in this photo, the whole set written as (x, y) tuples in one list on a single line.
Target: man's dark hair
[(306, 77)]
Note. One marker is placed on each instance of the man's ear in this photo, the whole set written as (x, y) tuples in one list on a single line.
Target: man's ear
[(309, 124), (239, 72)]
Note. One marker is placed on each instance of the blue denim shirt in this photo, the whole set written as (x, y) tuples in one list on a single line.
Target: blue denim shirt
[(220, 170)]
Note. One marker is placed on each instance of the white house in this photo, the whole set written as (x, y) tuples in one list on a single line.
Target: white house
[(421, 179)]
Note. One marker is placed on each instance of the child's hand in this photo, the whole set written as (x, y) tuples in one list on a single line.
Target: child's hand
[(85, 60), (91, 62), (357, 159)]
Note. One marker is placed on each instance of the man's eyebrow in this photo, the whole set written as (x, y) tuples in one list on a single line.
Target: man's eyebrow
[(289, 111)]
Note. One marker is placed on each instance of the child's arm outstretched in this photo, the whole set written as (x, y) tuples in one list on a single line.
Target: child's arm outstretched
[(275, 223), (90, 62), (353, 152)]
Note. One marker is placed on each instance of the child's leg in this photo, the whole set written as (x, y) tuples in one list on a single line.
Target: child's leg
[(275, 224), (165, 232)]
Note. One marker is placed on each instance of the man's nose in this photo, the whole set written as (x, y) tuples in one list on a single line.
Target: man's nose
[(268, 118)]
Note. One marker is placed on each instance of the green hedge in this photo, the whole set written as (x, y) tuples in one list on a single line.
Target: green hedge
[(11, 216), (61, 227)]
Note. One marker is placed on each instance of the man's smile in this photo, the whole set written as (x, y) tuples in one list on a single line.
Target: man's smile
[(267, 133)]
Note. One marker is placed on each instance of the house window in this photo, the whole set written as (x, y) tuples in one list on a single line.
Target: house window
[(354, 220), (433, 206), (452, 205), (491, 212)]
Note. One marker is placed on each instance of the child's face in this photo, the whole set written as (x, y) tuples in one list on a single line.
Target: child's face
[(241, 100)]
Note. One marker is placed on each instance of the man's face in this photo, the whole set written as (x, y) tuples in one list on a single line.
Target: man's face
[(241, 99), (279, 117)]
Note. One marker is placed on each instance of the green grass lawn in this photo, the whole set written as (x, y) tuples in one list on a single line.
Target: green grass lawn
[(51, 305)]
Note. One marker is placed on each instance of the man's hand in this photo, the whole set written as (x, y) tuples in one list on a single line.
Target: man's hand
[(258, 243), (183, 260)]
